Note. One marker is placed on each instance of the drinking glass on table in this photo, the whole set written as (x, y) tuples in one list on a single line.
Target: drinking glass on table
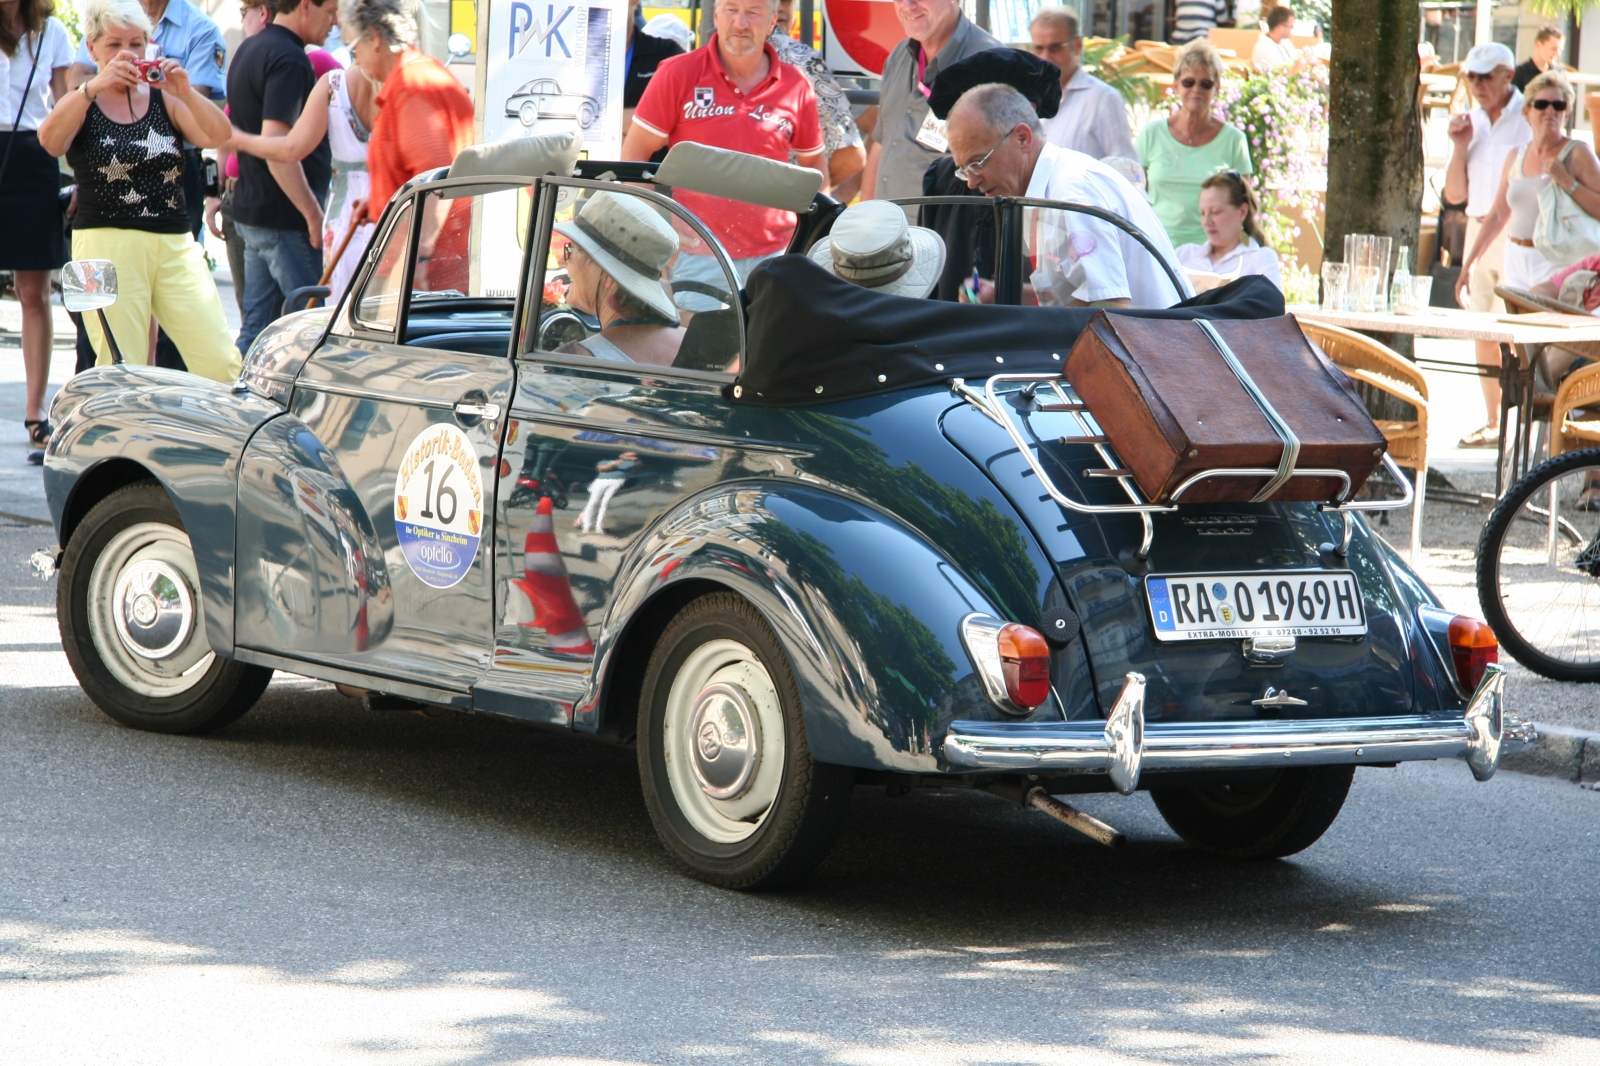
[(1422, 289), (1335, 282), (1368, 284)]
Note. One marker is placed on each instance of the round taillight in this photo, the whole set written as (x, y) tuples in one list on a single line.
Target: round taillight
[(1473, 647), (1025, 661)]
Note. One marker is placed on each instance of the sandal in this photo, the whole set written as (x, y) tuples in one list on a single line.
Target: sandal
[(1486, 437), (39, 430)]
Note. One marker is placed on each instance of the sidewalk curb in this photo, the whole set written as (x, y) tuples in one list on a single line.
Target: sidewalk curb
[(1570, 754)]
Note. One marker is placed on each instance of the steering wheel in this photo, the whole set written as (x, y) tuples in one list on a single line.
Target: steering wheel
[(722, 296), (563, 326)]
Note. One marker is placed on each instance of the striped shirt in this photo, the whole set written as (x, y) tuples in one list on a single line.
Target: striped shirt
[(1192, 18)]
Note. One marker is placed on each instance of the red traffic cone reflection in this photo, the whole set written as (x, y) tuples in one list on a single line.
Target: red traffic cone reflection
[(549, 589)]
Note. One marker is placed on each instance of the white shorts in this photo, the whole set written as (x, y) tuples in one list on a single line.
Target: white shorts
[(1525, 267)]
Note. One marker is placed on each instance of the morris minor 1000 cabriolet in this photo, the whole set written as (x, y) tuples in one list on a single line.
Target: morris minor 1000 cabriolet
[(818, 537)]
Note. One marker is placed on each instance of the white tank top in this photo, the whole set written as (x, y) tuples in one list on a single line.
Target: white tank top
[(347, 137)]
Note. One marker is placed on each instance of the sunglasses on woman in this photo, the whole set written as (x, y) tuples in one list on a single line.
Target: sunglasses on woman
[(1557, 105), (1205, 83)]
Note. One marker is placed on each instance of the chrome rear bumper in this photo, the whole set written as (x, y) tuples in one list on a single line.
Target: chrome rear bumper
[(1124, 746)]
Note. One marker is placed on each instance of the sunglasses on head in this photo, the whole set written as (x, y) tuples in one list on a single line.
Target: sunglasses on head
[(1205, 83), (1555, 105)]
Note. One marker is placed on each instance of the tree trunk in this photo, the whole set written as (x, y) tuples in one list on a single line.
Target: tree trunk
[(1374, 130)]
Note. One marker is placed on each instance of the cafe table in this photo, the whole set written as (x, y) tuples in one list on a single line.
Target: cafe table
[(1519, 336)]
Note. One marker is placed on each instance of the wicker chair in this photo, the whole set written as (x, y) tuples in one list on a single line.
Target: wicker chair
[(1580, 390), (1365, 360), (1551, 363)]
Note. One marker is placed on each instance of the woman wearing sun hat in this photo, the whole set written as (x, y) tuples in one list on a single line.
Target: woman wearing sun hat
[(872, 245), (617, 253)]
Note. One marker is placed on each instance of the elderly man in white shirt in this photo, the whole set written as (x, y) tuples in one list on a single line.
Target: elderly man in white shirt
[(1092, 118), (999, 149), (1481, 140)]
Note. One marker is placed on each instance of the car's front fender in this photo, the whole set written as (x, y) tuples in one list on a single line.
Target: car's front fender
[(121, 423), (867, 610)]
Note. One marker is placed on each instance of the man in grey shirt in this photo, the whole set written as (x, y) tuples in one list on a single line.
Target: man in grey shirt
[(908, 137)]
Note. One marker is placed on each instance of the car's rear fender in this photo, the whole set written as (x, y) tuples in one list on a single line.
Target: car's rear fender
[(126, 423), (867, 610)]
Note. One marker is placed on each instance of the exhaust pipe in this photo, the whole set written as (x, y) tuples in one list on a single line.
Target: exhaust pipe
[(1038, 799)]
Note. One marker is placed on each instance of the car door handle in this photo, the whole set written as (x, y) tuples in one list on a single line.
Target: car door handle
[(490, 411)]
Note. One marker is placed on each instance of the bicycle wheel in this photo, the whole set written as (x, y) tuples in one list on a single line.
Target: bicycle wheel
[(1539, 569)]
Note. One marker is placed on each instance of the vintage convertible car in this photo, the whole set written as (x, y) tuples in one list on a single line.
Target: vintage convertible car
[(843, 539)]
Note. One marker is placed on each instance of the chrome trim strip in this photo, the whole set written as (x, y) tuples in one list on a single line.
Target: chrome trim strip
[(380, 395)]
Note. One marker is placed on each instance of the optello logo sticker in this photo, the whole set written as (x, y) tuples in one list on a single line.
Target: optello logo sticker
[(438, 505)]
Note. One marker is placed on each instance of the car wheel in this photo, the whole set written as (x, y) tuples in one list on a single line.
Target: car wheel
[(129, 608), (728, 776), (529, 113), (1258, 818)]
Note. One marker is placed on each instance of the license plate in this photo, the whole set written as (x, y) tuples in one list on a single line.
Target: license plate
[(1271, 603)]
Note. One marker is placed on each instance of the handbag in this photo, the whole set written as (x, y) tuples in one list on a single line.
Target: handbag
[(1565, 232)]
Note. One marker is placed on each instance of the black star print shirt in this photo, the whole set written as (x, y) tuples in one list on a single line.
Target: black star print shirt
[(130, 175)]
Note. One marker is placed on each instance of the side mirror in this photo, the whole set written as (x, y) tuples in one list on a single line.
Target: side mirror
[(88, 284), (459, 45)]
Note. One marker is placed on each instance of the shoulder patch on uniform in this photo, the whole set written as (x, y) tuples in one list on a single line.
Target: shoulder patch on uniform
[(220, 52)]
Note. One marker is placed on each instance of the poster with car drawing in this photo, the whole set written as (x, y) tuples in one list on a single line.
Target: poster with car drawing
[(555, 66)]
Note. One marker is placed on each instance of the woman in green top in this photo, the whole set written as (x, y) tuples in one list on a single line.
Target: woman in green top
[(1184, 149)]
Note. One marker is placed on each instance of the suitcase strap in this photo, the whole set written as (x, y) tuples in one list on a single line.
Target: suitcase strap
[(1291, 443)]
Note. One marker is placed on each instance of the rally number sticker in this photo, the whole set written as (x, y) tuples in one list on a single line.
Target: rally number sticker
[(438, 505)]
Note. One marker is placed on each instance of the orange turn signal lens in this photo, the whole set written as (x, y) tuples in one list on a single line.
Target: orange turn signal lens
[(1025, 660), (1473, 647)]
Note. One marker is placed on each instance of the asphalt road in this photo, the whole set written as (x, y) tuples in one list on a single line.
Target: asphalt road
[(319, 883)]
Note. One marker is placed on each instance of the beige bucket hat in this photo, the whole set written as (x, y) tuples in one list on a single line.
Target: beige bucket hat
[(873, 246), (629, 241)]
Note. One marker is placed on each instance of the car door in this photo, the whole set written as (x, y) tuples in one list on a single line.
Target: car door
[(408, 394), (597, 451)]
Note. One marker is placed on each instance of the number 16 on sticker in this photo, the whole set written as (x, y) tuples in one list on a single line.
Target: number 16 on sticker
[(438, 505)]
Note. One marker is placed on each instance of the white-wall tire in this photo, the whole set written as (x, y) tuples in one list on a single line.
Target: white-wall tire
[(132, 618), (727, 772)]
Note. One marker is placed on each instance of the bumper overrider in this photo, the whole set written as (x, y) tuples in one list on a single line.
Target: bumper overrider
[(1124, 746)]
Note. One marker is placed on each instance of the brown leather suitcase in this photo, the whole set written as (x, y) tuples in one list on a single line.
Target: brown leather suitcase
[(1171, 404)]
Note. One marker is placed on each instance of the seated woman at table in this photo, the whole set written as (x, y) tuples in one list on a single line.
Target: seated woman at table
[(1552, 156), (1234, 244)]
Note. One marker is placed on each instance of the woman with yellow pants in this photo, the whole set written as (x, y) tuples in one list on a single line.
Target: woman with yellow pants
[(122, 130)]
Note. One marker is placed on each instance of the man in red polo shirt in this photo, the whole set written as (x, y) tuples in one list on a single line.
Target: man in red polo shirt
[(733, 93)]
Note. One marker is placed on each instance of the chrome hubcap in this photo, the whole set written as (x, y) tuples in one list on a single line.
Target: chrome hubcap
[(722, 739), (152, 609), (726, 741), (144, 615)]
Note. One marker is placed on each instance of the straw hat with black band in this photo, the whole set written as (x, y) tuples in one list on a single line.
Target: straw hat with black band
[(630, 242), (872, 245)]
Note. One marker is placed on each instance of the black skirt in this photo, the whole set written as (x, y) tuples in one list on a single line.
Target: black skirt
[(31, 237)]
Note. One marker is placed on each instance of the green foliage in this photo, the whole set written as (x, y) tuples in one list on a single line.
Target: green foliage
[(1314, 10), (1557, 8), (67, 12)]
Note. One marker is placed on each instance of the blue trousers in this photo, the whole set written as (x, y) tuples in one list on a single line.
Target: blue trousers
[(276, 262)]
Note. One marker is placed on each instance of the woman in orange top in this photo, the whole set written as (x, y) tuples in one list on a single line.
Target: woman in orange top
[(424, 119)]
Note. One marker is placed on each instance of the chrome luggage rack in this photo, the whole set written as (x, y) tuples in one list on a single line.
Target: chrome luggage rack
[(1067, 402)]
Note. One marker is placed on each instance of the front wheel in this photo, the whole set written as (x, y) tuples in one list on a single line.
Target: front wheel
[(132, 623), (1258, 817), (728, 776)]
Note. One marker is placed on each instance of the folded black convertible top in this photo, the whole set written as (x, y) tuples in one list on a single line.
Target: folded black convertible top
[(814, 338)]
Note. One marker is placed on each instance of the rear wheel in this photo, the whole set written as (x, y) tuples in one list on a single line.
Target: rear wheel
[(1258, 818), (128, 604), (728, 776)]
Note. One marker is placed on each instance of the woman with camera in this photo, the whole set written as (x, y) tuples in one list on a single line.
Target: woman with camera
[(122, 132)]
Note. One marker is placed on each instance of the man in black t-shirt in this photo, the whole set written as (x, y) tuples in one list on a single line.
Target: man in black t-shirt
[(1546, 50), (277, 207), (645, 54)]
